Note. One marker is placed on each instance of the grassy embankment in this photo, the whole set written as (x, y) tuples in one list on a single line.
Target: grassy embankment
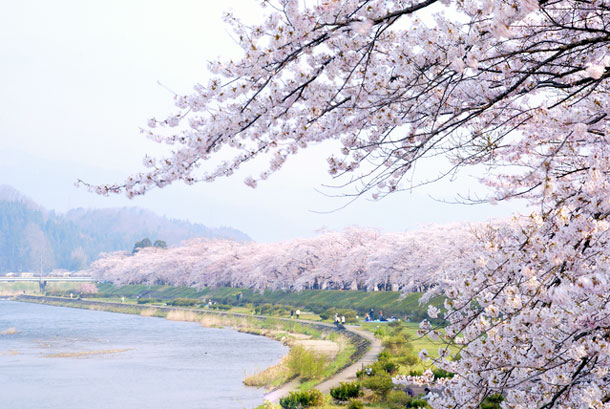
[(9, 289), (317, 301)]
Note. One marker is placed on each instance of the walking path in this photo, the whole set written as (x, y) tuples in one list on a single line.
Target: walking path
[(346, 375)]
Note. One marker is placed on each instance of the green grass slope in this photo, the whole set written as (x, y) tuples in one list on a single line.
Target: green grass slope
[(315, 300)]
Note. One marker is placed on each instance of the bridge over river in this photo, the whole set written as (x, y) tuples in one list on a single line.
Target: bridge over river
[(49, 279), (44, 280)]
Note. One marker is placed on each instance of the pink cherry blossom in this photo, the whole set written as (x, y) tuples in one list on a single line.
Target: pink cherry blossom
[(393, 83)]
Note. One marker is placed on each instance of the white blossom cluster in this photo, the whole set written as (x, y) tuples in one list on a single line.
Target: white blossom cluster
[(531, 315), (390, 86)]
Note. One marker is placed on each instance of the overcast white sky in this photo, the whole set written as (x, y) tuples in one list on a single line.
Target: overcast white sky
[(79, 78)]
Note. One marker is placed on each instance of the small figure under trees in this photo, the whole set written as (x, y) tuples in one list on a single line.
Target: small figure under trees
[(518, 86)]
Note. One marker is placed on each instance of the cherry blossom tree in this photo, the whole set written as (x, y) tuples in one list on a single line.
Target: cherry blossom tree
[(352, 259), (518, 86), (87, 288)]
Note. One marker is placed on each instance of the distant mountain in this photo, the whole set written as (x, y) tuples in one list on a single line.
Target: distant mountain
[(32, 237), (10, 194), (133, 223)]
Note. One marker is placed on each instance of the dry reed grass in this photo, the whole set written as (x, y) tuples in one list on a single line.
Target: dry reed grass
[(149, 312), (9, 331), (327, 348), (85, 353), (179, 315), (214, 321), (274, 375), (301, 361), (10, 352)]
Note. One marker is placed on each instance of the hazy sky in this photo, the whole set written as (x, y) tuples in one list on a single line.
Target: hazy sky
[(79, 78)]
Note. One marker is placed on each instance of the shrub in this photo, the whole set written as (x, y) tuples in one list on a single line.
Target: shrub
[(379, 383), (271, 309), (396, 340), (223, 307), (265, 405), (298, 400), (368, 371), (148, 300), (263, 309), (380, 332), (417, 403), (397, 344), (305, 363), (355, 404), (441, 373), (350, 315), (384, 365), (389, 367), (407, 359), (397, 399), (183, 302), (345, 391), (416, 372)]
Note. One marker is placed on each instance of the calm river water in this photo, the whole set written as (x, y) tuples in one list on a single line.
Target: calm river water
[(162, 364)]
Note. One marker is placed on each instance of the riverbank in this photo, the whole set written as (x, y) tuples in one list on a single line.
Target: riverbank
[(76, 358), (281, 329)]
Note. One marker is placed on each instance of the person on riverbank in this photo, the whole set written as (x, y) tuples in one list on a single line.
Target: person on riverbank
[(343, 320), (298, 313), (336, 319)]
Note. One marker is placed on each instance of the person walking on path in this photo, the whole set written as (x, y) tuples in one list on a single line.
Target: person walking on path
[(298, 312), (343, 319)]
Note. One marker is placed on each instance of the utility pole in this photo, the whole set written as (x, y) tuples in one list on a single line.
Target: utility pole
[(41, 284)]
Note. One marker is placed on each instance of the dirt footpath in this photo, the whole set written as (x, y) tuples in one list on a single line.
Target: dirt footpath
[(346, 375)]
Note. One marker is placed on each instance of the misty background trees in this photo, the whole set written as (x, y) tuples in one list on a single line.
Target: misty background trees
[(33, 238)]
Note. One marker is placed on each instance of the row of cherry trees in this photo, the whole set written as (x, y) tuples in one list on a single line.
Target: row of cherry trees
[(352, 259), (519, 87)]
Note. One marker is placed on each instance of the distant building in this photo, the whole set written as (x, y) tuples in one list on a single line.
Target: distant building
[(60, 273), (28, 275)]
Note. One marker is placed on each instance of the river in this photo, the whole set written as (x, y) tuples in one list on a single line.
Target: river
[(64, 358)]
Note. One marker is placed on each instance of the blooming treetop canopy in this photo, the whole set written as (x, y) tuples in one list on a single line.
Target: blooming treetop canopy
[(352, 259), (523, 83), (487, 81)]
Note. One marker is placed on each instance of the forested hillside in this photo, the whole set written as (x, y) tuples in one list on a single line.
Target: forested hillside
[(31, 237)]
